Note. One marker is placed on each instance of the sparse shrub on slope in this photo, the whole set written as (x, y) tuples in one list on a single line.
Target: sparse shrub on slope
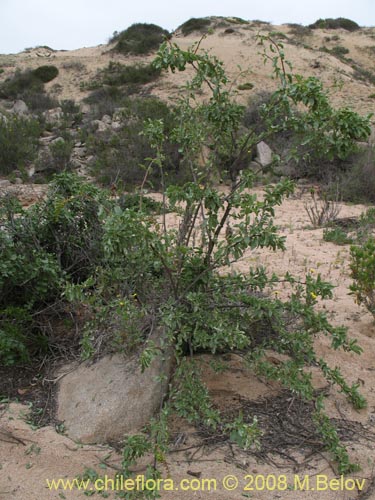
[(200, 24), (298, 30), (29, 87), (120, 155), (339, 50), (356, 180), (46, 73), (120, 74), (20, 83), (18, 142), (340, 22), (362, 266), (139, 39)]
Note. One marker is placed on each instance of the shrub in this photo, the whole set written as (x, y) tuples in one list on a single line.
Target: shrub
[(61, 151), (22, 82), (356, 180), (54, 242), (336, 235), (136, 202), (340, 22), (18, 142), (74, 66), (139, 39), (69, 107), (26, 85), (362, 266), (236, 20), (339, 130), (200, 24), (38, 102), (321, 210), (278, 35), (299, 31), (46, 73), (339, 50), (120, 74), (363, 74), (119, 156), (246, 86)]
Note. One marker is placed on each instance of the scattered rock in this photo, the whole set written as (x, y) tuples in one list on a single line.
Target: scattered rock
[(116, 125), (103, 401), (100, 126), (106, 119), (53, 115), (44, 160), (85, 109), (79, 152), (264, 154), (20, 108)]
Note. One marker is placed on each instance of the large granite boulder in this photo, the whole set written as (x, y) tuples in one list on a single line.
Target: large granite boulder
[(102, 401)]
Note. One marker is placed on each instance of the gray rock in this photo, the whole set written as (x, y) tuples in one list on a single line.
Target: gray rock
[(20, 108), (44, 160), (18, 181), (101, 126), (4, 183), (53, 115), (85, 108), (104, 401), (79, 152), (76, 163), (106, 119), (116, 125), (264, 154)]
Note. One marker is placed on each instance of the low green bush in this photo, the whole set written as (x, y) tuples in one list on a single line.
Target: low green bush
[(236, 20), (356, 180), (363, 74), (46, 73), (339, 50), (200, 24), (135, 201), (340, 22), (26, 85), (55, 158), (246, 86), (362, 266), (137, 74), (20, 83), (56, 241), (18, 142), (139, 39), (120, 156), (299, 31), (336, 235)]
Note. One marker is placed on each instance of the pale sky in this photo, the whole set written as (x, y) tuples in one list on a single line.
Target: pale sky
[(69, 24)]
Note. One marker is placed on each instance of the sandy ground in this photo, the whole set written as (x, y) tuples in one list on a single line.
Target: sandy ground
[(43, 453)]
